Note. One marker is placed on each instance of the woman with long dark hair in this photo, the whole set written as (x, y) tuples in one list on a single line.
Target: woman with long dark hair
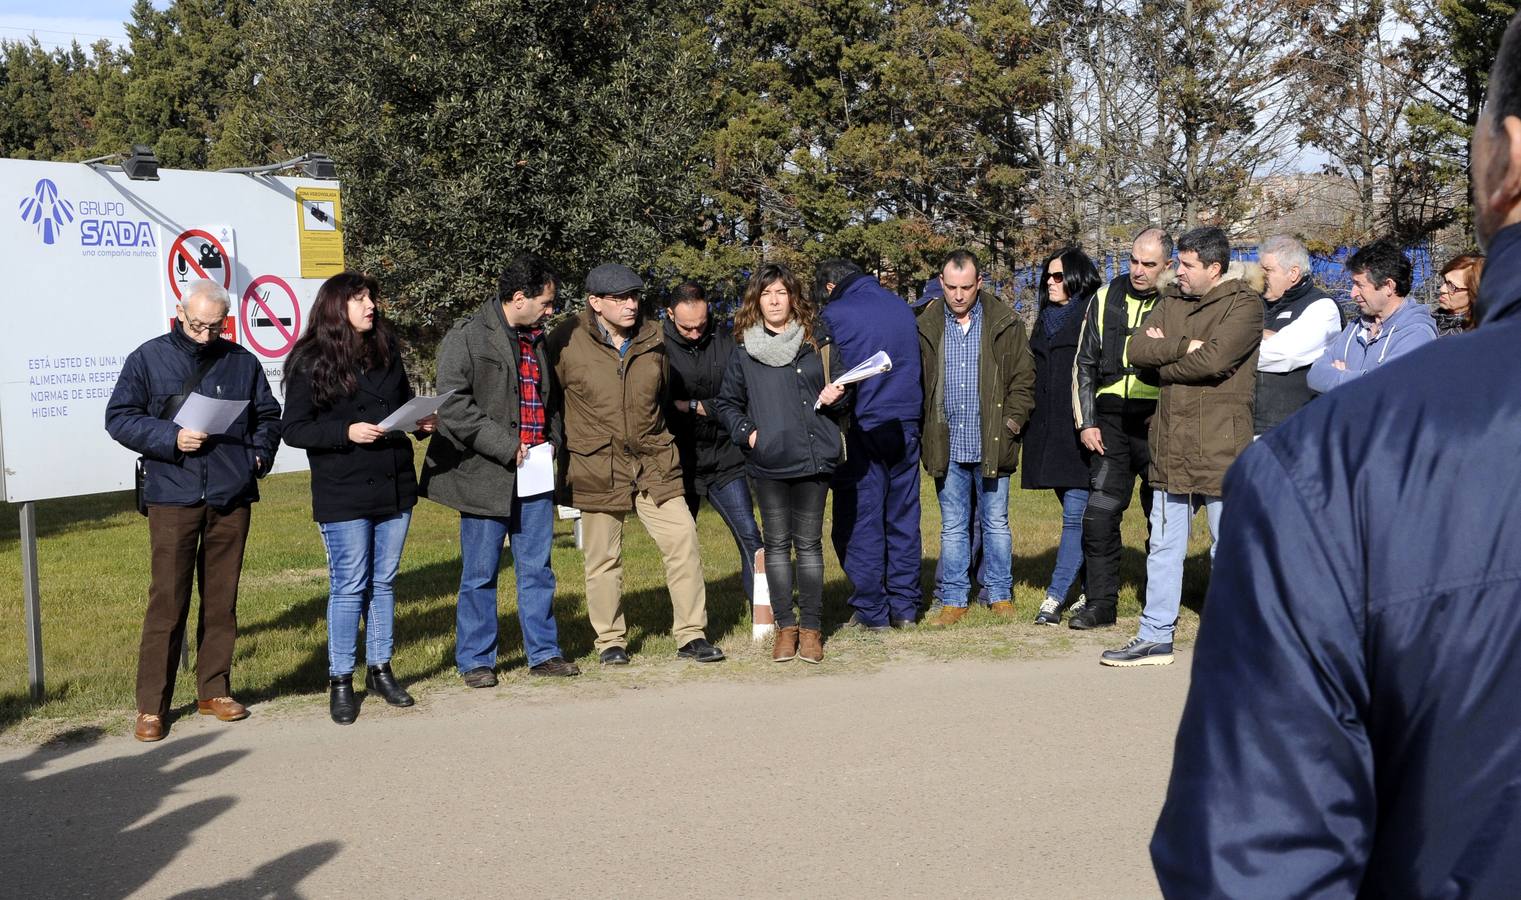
[(1054, 458), (778, 406), (345, 375)]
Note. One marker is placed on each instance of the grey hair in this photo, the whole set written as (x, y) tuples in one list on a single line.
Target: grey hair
[(1289, 252), (202, 287)]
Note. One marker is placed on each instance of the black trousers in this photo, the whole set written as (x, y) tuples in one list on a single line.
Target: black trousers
[(1123, 424), (792, 517)]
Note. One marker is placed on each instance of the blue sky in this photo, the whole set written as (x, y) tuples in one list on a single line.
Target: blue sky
[(58, 22)]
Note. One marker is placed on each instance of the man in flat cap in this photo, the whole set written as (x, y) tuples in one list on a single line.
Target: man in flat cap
[(610, 373)]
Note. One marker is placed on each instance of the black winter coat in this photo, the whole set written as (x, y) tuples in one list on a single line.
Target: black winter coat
[(708, 457), (793, 439), (224, 472), (349, 480), (1053, 455)]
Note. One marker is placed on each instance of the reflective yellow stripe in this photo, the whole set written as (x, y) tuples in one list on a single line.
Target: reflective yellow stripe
[(1128, 387)]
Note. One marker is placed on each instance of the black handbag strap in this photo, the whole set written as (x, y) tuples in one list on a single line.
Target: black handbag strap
[(172, 408)]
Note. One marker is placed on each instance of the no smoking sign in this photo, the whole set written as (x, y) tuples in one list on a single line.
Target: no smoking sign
[(270, 316)]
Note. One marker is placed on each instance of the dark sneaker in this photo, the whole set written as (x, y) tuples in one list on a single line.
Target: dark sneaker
[(1050, 612), (700, 650), (479, 677), (1091, 616), (1139, 653), (895, 622), (555, 667), (613, 656)]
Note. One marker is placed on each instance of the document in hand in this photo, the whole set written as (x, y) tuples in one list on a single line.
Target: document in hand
[(536, 473), (207, 415), (413, 410), (874, 365)]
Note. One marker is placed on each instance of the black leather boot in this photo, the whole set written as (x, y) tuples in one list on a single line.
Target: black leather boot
[(380, 680), (341, 704)]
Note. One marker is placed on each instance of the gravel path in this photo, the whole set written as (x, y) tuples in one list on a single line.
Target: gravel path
[(1026, 778)]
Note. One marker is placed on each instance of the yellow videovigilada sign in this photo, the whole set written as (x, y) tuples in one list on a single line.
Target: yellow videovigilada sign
[(319, 227)]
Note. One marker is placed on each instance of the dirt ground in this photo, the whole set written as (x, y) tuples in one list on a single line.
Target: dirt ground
[(1019, 778)]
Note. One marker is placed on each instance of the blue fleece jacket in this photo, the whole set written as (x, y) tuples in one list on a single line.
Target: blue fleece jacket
[(865, 317), (1409, 327)]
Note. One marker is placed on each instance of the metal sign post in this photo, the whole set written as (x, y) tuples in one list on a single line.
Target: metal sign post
[(33, 606)]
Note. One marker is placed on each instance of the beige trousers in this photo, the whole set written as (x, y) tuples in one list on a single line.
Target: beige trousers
[(671, 526)]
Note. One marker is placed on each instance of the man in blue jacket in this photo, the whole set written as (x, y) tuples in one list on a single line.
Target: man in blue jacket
[(198, 489), (1351, 728), (1390, 323), (876, 488)]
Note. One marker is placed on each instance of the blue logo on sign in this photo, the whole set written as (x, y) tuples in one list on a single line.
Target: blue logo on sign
[(46, 210)]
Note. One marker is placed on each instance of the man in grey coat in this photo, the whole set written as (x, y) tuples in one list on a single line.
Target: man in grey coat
[(494, 362)]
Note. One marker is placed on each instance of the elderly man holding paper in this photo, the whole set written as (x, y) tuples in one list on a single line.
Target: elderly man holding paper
[(490, 461), (198, 487)]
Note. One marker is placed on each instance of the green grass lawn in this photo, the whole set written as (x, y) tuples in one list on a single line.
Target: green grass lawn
[(93, 557)]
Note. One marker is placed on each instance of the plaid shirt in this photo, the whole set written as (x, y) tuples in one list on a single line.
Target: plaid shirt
[(530, 384), (962, 400)]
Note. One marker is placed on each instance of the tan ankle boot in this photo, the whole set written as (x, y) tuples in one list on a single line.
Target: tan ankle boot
[(785, 648), (812, 649)]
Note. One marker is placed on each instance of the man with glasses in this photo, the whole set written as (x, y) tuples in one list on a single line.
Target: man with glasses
[(1113, 404), (610, 377), (198, 489)]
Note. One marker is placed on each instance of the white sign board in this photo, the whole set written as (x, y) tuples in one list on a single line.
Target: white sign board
[(94, 263)]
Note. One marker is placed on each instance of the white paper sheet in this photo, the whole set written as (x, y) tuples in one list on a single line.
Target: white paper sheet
[(208, 415), (876, 364), (536, 473), (412, 410)]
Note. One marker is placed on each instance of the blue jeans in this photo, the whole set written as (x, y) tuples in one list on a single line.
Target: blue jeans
[(732, 501), (956, 490), (363, 556), (1172, 517), (532, 529), (1069, 552)]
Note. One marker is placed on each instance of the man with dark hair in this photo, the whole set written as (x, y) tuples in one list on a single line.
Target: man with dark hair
[(1350, 727), (1299, 323), (1113, 403), (711, 465), (494, 362), (1390, 325), (876, 487), (610, 386), (1202, 339), (979, 380)]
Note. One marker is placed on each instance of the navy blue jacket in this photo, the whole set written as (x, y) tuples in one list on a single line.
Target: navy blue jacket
[(224, 472), (865, 317), (1353, 727)]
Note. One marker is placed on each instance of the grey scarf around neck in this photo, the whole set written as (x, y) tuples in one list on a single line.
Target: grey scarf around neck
[(774, 350)]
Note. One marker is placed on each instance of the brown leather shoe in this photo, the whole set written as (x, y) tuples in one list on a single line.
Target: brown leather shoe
[(1003, 609), (949, 615), (811, 648), (225, 709), (149, 728), (785, 648)]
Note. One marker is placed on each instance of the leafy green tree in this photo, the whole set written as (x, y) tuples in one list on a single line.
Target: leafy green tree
[(467, 130)]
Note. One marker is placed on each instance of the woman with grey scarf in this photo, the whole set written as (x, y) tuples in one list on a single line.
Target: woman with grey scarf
[(779, 406)]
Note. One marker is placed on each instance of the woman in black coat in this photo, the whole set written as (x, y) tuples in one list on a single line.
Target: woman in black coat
[(343, 376), (1054, 458), (779, 407)]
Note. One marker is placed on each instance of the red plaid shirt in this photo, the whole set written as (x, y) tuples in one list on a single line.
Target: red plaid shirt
[(530, 389)]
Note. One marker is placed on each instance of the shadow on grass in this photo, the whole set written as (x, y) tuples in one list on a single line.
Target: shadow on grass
[(98, 830), (15, 708)]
